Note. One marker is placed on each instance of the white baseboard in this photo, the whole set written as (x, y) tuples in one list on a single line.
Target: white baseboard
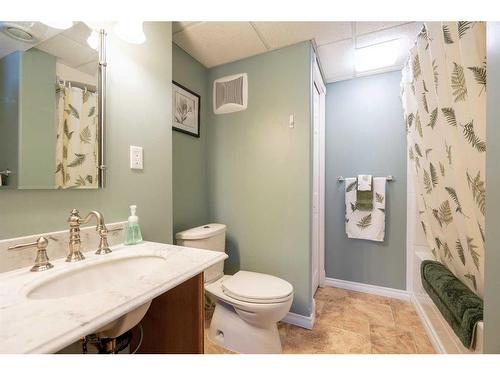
[(367, 288), (301, 320), (429, 328)]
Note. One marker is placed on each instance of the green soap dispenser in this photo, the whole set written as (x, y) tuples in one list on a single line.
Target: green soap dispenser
[(133, 231)]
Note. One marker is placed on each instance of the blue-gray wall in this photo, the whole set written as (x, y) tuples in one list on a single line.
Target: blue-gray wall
[(365, 134), (260, 169), (492, 253), (189, 154)]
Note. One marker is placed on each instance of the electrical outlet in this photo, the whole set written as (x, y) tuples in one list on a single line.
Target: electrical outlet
[(136, 161)]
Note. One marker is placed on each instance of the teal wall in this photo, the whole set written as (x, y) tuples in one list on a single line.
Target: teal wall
[(189, 154), (260, 169), (138, 113), (9, 114), (37, 121), (492, 254), (365, 134)]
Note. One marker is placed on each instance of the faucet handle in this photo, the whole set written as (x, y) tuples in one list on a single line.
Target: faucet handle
[(103, 243), (42, 260)]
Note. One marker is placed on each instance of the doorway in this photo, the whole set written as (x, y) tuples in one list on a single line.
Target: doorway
[(318, 185)]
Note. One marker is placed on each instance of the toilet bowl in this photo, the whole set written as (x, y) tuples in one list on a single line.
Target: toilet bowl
[(248, 305)]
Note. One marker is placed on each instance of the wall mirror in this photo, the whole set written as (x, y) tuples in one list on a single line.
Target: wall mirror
[(52, 105)]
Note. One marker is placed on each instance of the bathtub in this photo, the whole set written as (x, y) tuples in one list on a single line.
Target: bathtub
[(438, 330)]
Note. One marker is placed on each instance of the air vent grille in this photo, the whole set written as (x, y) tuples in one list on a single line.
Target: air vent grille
[(230, 94)]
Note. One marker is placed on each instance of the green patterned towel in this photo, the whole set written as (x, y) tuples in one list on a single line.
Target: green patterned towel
[(364, 200), (459, 305)]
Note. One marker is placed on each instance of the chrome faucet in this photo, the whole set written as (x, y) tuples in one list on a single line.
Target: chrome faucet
[(75, 243)]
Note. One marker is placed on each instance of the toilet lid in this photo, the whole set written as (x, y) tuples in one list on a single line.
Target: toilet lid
[(257, 287)]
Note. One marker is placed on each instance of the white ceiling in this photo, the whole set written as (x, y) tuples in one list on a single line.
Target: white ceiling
[(71, 49), (69, 46), (216, 43), (39, 30)]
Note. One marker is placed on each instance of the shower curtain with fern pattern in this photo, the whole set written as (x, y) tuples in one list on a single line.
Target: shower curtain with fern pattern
[(444, 100), (77, 139)]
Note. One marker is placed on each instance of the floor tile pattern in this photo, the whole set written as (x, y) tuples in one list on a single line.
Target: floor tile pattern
[(353, 322)]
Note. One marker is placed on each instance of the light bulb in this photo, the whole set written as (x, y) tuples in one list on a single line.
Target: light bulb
[(130, 31), (62, 25), (93, 40)]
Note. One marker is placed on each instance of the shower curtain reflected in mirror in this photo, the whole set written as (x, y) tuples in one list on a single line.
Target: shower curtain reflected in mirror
[(77, 139), (444, 100)]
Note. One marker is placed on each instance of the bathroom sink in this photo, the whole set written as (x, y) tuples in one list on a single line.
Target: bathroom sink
[(105, 275), (94, 277)]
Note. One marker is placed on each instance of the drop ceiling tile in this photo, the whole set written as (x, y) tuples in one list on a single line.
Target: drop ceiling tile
[(38, 29), (89, 68), (69, 51), (281, 34), (405, 33), (369, 27), (79, 33), (337, 60), (181, 25), (215, 43)]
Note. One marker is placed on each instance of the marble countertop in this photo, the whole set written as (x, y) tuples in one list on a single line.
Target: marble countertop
[(48, 325)]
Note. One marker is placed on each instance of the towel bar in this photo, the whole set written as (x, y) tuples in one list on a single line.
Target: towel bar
[(342, 178)]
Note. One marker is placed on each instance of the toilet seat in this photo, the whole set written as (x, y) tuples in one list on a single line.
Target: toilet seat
[(256, 287)]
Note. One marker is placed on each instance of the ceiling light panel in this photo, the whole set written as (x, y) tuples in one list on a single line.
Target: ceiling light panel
[(370, 27), (376, 57), (337, 60)]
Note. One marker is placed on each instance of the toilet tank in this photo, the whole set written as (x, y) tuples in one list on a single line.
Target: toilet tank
[(209, 237)]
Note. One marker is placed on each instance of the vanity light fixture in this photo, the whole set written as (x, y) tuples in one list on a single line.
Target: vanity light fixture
[(130, 31), (62, 25), (376, 56)]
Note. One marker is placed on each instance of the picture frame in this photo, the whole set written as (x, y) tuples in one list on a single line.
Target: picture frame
[(185, 110)]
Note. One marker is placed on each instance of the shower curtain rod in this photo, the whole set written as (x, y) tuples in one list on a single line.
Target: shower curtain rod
[(80, 85), (342, 178)]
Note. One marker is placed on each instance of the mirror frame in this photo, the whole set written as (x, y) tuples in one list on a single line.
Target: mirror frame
[(102, 107)]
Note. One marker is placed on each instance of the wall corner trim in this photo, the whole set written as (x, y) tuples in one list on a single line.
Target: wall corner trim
[(367, 288), (303, 321)]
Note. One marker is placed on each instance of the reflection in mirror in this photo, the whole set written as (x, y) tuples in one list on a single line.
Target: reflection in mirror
[(49, 101)]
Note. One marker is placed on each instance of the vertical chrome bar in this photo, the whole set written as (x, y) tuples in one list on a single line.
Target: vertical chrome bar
[(102, 108)]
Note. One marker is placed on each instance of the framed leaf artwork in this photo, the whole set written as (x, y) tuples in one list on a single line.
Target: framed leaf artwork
[(185, 110)]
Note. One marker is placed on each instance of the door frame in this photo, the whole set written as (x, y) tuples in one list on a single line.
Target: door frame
[(319, 174)]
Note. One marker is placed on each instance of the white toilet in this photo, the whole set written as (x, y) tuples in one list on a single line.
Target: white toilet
[(248, 304)]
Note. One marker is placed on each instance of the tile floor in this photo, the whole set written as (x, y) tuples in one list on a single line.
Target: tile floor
[(353, 322)]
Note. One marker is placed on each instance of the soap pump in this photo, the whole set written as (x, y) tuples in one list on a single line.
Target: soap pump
[(133, 234)]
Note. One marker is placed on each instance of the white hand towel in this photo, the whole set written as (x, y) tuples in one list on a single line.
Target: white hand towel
[(364, 182), (367, 225)]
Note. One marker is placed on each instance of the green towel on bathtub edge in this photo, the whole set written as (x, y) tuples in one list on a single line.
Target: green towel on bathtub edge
[(364, 200), (459, 305)]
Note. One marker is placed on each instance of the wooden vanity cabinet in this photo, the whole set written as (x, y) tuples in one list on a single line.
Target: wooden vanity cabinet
[(174, 321)]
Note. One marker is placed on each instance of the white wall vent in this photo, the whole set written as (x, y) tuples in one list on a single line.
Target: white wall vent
[(231, 93)]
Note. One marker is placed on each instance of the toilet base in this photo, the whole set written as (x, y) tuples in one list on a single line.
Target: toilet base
[(229, 330)]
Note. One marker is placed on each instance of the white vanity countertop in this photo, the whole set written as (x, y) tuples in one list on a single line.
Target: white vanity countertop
[(48, 325)]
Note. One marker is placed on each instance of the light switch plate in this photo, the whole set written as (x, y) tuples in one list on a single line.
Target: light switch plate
[(136, 160)]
